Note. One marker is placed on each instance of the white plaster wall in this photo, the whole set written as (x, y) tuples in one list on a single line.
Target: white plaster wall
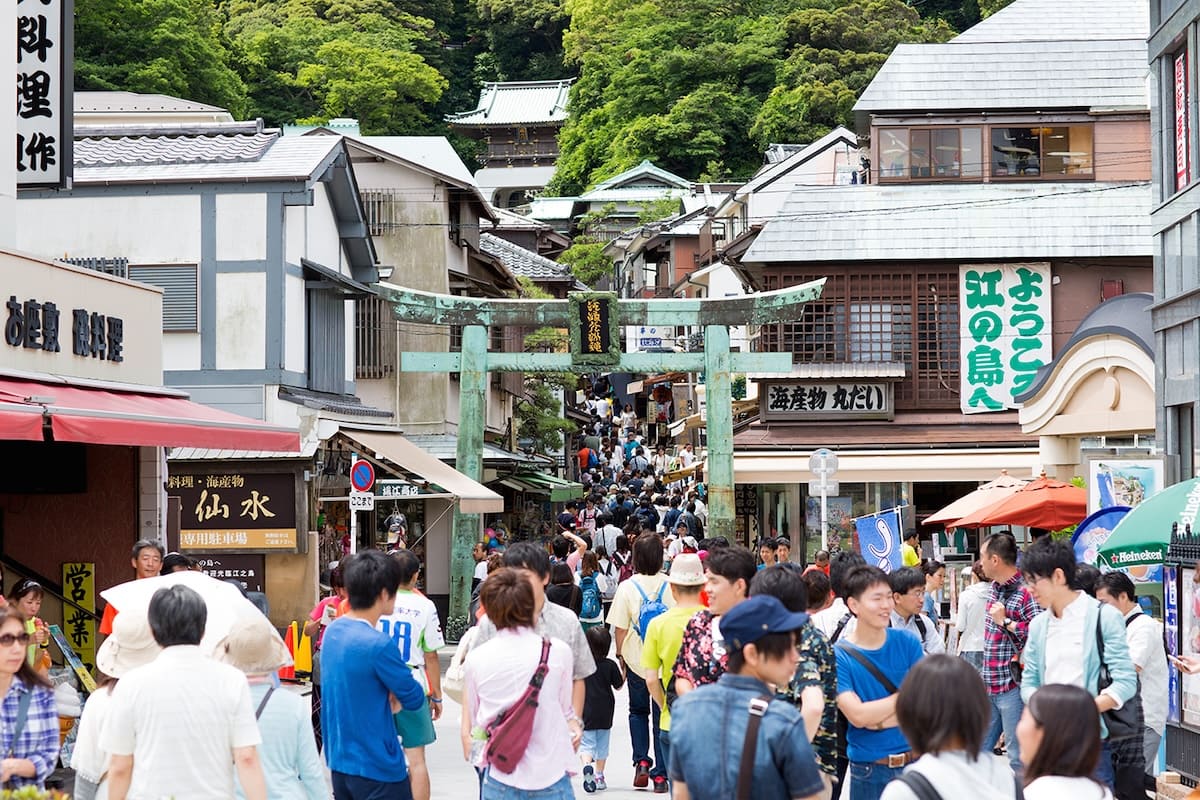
[(181, 351), (818, 171), (145, 229), (241, 227), (295, 224), (295, 342), (321, 236), (241, 324)]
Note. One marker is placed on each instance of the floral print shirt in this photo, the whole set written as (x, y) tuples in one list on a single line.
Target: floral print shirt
[(817, 667), (701, 659)]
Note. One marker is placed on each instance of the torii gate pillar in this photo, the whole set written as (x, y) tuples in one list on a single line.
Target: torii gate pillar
[(594, 320)]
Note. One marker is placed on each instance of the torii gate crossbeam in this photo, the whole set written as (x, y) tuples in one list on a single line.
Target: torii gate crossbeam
[(475, 315)]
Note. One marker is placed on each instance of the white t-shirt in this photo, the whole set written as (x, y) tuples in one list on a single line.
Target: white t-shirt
[(972, 610), (481, 570), (1145, 638), (1056, 787), (180, 717), (414, 627)]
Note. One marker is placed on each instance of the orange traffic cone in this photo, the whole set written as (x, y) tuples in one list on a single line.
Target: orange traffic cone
[(288, 673)]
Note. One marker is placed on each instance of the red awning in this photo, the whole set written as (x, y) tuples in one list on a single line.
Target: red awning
[(20, 422), (103, 414)]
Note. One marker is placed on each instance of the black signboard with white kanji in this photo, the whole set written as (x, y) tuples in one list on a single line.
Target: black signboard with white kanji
[(45, 32)]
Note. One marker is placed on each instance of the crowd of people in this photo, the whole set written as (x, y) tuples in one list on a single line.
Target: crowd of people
[(819, 681)]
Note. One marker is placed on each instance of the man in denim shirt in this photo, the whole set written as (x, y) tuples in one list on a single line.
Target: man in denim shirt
[(709, 725)]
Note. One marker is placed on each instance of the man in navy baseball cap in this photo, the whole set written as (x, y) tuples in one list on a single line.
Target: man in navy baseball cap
[(760, 637)]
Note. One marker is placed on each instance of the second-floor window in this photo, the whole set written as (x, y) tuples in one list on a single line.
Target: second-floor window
[(1001, 152)]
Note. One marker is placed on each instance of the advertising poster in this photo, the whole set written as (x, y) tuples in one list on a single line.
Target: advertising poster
[(838, 511), (1189, 644), (1094, 531), (1122, 482), (1171, 634)]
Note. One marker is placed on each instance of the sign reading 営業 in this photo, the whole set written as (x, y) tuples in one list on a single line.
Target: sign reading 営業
[(1004, 318), (236, 511), (79, 586)]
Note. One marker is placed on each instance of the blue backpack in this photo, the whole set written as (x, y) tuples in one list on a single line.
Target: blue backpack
[(591, 607), (649, 610)]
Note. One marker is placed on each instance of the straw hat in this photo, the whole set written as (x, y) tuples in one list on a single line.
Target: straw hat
[(130, 645), (687, 570), (253, 646)]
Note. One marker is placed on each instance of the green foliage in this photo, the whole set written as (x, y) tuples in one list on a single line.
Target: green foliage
[(693, 86), (587, 262), (655, 210), (737, 387), (353, 58), (989, 7), (170, 47), (538, 415)]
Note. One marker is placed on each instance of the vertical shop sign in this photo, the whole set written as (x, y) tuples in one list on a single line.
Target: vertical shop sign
[(1182, 145), (45, 67), (595, 336), (79, 586), (1005, 336)]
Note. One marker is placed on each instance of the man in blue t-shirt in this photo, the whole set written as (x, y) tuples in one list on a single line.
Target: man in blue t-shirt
[(361, 666), (876, 748)]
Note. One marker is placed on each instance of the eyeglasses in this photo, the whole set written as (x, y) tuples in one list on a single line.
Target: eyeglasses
[(9, 639)]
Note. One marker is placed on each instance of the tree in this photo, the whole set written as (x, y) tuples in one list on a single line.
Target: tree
[(539, 412), (172, 47)]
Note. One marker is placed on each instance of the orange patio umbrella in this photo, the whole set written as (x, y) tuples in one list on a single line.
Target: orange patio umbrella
[(1042, 503), (986, 495)]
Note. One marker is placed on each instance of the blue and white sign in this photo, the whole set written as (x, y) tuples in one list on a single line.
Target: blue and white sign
[(645, 337), (879, 539)]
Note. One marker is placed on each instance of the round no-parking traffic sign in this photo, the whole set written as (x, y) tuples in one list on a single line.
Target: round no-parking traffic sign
[(362, 476)]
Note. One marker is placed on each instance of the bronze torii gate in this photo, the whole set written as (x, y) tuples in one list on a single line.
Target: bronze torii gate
[(594, 320)]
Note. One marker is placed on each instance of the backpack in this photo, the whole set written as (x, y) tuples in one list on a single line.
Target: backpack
[(624, 566), (593, 459), (649, 610), (610, 584), (591, 608)]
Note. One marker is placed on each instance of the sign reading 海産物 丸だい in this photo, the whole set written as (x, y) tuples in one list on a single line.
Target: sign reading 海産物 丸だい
[(1004, 319)]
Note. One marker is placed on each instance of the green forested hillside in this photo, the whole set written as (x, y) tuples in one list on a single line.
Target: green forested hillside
[(698, 87)]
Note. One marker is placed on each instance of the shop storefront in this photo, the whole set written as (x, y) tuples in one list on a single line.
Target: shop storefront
[(84, 421)]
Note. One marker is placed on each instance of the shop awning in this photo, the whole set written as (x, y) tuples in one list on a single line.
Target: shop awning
[(882, 466), (123, 414), (473, 497), (557, 489)]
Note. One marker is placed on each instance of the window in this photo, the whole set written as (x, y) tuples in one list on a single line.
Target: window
[(178, 282), (1061, 151), (918, 153), (375, 331), (879, 316)]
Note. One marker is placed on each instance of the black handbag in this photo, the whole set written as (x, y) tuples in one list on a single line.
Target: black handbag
[(1124, 722)]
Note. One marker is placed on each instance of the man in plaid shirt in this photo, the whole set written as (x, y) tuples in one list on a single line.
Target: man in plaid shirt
[(1010, 608)]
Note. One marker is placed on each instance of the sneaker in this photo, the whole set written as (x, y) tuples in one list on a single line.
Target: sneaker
[(601, 784), (589, 779), (660, 784), (641, 774)]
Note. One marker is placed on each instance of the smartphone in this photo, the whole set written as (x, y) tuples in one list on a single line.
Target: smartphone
[(1177, 662)]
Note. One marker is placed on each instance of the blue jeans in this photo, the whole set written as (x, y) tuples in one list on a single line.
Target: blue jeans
[(559, 790), (1006, 713), (644, 723), (868, 780), (974, 658), (663, 766), (1104, 769)]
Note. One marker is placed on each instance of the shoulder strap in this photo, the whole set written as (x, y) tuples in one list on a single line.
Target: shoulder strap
[(745, 782), (658, 597), (638, 586), (841, 626), (861, 657), (920, 786), (22, 716), (920, 626), (263, 704), (1132, 618)]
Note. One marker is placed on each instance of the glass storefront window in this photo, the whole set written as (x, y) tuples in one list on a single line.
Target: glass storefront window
[(854, 500)]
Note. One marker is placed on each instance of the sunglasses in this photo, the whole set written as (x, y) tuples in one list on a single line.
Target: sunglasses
[(9, 639)]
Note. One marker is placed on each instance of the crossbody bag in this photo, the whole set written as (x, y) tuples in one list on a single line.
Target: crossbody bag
[(745, 782), (924, 790)]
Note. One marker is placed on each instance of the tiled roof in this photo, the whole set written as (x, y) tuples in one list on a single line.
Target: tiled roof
[(518, 103), (1048, 20), (510, 220), (956, 221), (776, 169), (513, 177), (164, 158), (434, 153), (644, 174), (141, 150), (997, 76), (524, 262)]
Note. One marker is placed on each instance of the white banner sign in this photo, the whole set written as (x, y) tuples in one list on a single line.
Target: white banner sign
[(45, 66), (1004, 316)]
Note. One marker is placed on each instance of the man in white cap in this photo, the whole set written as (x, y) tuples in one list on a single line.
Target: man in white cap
[(660, 647)]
